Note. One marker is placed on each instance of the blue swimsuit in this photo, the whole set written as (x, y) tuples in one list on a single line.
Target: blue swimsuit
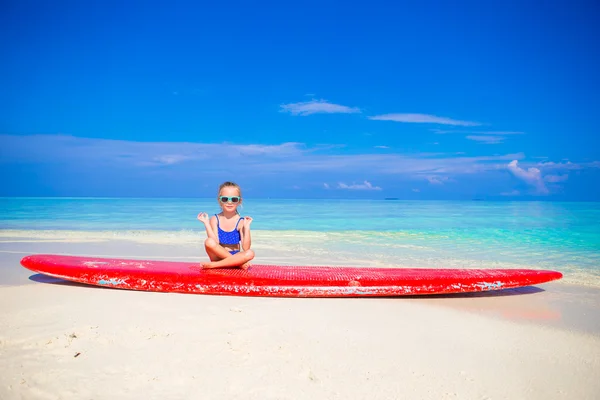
[(232, 237)]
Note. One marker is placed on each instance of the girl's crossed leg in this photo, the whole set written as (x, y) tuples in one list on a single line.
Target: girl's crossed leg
[(221, 258)]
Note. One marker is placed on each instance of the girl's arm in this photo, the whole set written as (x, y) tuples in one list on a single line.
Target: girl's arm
[(211, 229), (245, 233), (208, 224)]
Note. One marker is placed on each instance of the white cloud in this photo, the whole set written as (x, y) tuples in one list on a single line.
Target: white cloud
[(556, 178), (326, 185), (503, 133), (170, 159), (416, 190), (317, 107), (422, 119), (259, 149), (531, 176), (511, 193), (366, 185), (437, 180), (486, 139), (382, 147), (102, 152), (550, 165), (189, 160), (500, 133), (428, 164)]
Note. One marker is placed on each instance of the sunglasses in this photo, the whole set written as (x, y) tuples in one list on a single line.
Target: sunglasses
[(232, 199)]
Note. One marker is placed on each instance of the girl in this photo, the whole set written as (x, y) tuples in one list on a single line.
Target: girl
[(227, 230)]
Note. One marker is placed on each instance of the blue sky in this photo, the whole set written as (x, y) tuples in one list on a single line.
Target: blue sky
[(415, 100)]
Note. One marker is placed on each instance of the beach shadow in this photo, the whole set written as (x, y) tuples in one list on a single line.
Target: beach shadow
[(520, 291), (524, 290), (41, 278), (505, 304)]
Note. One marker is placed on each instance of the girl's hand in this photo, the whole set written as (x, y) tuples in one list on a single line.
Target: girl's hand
[(247, 222), (203, 217)]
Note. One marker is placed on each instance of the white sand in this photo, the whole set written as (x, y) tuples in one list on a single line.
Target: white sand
[(529, 345)]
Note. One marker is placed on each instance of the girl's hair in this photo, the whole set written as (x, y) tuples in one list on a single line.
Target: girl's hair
[(229, 184)]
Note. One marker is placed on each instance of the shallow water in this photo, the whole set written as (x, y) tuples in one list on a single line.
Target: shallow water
[(453, 234)]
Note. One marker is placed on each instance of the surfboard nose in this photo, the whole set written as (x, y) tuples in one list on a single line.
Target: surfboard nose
[(26, 261), (33, 262)]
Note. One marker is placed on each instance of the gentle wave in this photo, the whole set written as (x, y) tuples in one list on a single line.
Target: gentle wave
[(360, 248)]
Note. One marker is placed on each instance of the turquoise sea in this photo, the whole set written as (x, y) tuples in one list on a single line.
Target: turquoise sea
[(454, 234)]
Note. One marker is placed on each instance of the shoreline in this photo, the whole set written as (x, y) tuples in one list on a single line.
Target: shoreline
[(545, 304), (312, 248), (54, 335)]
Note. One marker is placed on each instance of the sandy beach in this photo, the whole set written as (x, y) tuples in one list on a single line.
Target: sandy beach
[(61, 340), (381, 134)]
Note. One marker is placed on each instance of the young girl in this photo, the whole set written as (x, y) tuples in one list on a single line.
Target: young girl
[(227, 230)]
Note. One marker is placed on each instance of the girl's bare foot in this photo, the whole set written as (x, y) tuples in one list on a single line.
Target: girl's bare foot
[(212, 264), (246, 265)]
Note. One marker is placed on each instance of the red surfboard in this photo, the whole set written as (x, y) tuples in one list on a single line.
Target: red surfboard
[(280, 281)]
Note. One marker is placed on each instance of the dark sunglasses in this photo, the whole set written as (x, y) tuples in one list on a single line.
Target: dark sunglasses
[(232, 199)]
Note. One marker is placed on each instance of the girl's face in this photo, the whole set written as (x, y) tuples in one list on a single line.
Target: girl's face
[(229, 198)]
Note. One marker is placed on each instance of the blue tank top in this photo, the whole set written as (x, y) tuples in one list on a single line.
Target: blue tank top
[(225, 237)]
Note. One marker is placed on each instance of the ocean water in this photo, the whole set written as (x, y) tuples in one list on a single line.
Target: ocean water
[(453, 234)]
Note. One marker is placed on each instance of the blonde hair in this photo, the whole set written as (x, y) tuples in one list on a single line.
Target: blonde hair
[(233, 185), (229, 184)]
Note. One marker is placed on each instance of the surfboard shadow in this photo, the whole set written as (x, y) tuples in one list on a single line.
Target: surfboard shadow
[(41, 278), (520, 291)]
